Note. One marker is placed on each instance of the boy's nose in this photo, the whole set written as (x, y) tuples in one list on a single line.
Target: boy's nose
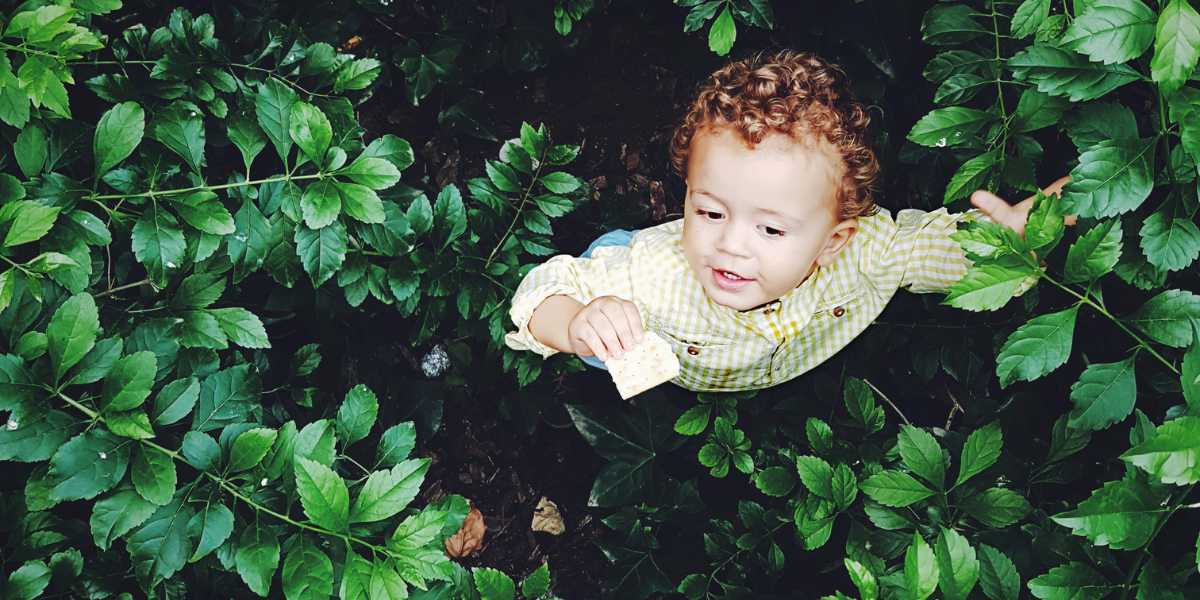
[(733, 241)]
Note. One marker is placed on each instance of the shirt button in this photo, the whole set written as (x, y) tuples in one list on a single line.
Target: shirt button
[(693, 350), (768, 311), (839, 311)]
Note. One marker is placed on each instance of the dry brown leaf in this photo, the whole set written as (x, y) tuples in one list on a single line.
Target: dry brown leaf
[(546, 518), (469, 537)]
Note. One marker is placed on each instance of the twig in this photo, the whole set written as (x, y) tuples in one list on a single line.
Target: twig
[(385, 26), (889, 401), (953, 409), (111, 291)]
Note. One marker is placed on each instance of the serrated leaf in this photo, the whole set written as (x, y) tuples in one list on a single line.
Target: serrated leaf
[(154, 475), (816, 474), (158, 243), (1176, 45), (1170, 238), (1061, 72), (1122, 514), (242, 326), (776, 481), (980, 451), (949, 126), (922, 454), (920, 569), (72, 332), (257, 557), (211, 526), (1094, 254), (118, 134), (357, 414), (389, 492), (361, 202), (323, 494), (117, 514), (989, 286), (322, 251), (396, 444), (1172, 454), (997, 575), (1104, 395), (1167, 317), (893, 488), (1029, 15), (1113, 177), (249, 448), (723, 33), (997, 507), (1112, 31), (161, 546), (89, 464), (537, 584), (273, 105), (204, 211), (180, 127), (310, 129), (128, 383), (974, 174), (1037, 347), (1072, 581), (307, 572), (958, 568), (494, 585)]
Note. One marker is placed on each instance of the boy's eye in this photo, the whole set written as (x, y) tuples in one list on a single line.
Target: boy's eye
[(710, 214), (771, 231)]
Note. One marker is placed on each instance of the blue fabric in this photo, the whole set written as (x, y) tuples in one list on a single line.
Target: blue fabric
[(616, 237)]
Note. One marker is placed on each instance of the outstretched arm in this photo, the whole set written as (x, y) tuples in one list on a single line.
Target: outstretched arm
[(1014, 216)]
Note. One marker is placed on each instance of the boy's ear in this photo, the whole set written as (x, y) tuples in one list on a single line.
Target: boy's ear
[(838, 239)]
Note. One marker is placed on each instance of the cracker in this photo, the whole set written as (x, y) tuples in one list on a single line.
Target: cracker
[(648, 364)]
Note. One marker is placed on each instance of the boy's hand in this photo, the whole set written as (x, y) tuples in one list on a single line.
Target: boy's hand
[(1014, 216), (605, 328)]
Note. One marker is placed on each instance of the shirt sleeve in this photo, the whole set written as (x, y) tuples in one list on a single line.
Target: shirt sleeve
[(916, 251), (608, 273)]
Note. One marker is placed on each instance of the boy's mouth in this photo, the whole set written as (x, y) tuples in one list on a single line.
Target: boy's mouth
[(730, 281)]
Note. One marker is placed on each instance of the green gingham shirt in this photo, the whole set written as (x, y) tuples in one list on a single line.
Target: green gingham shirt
[(722, 349)]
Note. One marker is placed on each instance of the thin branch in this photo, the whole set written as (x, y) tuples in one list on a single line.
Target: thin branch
[(889, 401), (111, 291)]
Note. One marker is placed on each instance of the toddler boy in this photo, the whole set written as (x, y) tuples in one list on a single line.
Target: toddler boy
[(781, 257)]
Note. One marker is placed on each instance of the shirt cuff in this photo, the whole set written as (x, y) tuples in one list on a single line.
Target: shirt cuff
[(525, 302)]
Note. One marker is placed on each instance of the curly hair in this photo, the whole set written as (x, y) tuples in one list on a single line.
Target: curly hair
[(799, 95)]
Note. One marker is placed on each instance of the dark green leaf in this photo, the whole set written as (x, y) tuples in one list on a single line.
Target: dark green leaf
[(211, 526), (117, 135), (1073, 581), (1104, 395), (257, 557), (72, 332), (311, 131), (321, 250), (922, 454), (273, 104), (958, 568), (397, 442), (307, 572), (1095, 254), (158, 243), (201, 451), (162, 546), (226, 397), (949, 126), (323, 494), (1062, 72), (1176, 45), (154, 475), (980, 451), (1112, 31), (117, 514), (204, 211), (91, 463), (180, 127), (128, 384), (893, 488), (1170, 238), (1122, 514), (1037, 347), (1113, 177), (997, 507), (997, 575)]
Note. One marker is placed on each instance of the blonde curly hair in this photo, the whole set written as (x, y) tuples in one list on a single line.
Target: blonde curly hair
[(799, 95)]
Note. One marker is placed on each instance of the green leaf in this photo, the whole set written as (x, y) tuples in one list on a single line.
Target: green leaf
[(211, 526), (1113, 177), (162, 546), (321, 203), (39, 80), (356, 579), (357, 414), (180, 127), (375, 173), (997, 575), (1190, 376), (227, 396), (158, 243), (694, 420), (356, 75), (1036, 110), (307, 572), (39, 440), (1029, 15), (988, 287), (920, 569), (323, 494), (397, 442), (1156, 583), (14, 105), (1104, 395), (128, 384), (1072, 581), (893, 488), (1170, 238), (1094, 254), (449, 216), (322, 251), (316, 442), (1185, 112), (776, 481), (954, 62), (949, 126), (1045, 226), (844, 485), (117, 135), (1172, 454), (242, 326), (980, 451), (494, 585), (723, 33), (27, 221), (997, 507), (561, 183), (31, 150), (27, 582), (1167, 317), (311, 131), (133, 424), (204, 211), (1112, 31), (117, 514), (198, 291), (249, 448), (247, 136), (958, 569), (389, 492), (417, 530), (273, 105), (91, 463), (946, 24), (817, 475), (1122, 514), (201, 451), (922, 454), (860, 401), (154, 475), (72, 332), (361, 202), (977, 173), (257, 557), (1062, 72), (1037, 347), (1176, 45)]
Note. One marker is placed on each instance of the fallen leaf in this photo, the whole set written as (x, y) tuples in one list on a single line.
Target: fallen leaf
[(546, 518), (469, 537)]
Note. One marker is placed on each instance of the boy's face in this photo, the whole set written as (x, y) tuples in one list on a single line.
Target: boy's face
[(758, 221)]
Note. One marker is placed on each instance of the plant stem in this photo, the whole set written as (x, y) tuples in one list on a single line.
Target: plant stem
[(153, 193), (112, 291), (888, 400), (521, 207), (999, 87), (1176, 502), (1087, 300)]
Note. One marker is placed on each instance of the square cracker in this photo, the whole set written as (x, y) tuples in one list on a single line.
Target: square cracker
[(648, 364)]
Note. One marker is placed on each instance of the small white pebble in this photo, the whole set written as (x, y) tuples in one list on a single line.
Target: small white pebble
[(264, 481), (12, 425), (103, 456), (436, 363), (193, 113)]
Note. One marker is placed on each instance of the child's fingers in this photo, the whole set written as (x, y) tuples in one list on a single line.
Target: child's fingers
[(618, 319), (602, 324), (998, 210), (635, 322), (592, 345)]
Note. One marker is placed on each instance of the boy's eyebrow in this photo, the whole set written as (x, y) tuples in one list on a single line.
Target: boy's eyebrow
[(765, 211)]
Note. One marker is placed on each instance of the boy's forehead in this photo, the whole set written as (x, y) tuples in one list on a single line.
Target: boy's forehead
[(810, 145)]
